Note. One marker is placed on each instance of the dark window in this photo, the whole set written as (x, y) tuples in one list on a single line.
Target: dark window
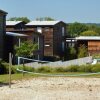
[(46, 28), (34, 40)]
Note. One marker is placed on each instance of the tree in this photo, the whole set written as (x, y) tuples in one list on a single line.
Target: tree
[(72, 52), (45, 19), (94, 28), (25, 19), (76, 28), (26, 49), (89, 33), (82, 51)]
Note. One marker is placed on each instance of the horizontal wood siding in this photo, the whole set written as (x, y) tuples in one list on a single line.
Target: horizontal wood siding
[(94, 46)]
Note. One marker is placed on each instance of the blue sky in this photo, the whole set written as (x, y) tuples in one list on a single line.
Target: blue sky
[(87, 11)]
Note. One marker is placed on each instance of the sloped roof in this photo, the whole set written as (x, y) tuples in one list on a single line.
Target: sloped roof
[(88, 38), (12, 22), (3, 11), (43, 23), (15, 34)]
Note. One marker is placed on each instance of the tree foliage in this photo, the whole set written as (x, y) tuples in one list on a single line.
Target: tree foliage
[(72, 52), (89, 33), (25, 19), (82, 51), (45, 19), (26, 49), (94, 28), (76, 28)]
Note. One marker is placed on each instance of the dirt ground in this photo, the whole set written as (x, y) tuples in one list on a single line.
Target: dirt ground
[(52, 88)]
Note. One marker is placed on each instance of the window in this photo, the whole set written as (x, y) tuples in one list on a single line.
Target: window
[(34, 40), (62, 46), (39, 29), (63, 31), (46, 28), (47, 45)]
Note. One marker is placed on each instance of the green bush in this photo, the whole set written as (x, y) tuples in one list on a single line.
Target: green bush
[(59, 69), (96, 68), (82, 51), (89, 33), (73, 68), (4, 68), (85, 68), (44, 69)]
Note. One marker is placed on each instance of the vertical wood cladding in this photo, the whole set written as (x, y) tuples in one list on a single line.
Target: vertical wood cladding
[(48, 40), (53, 38), (58, 39), (2, 34)]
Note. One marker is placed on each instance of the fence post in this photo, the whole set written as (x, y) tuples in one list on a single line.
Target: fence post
[(10, 64)]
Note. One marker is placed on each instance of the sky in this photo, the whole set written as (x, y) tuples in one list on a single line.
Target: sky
[(84, 11)]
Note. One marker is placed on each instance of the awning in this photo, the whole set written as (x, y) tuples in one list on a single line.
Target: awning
[(15, 34)]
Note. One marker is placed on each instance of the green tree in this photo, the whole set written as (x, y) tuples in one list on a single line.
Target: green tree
[(82, 51), (89, 33), (72, 52), (26, 49), (94, 28), (76, 28), (25, 19), (45, 19)]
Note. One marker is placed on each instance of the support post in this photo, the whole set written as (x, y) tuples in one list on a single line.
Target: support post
[(10, 64)]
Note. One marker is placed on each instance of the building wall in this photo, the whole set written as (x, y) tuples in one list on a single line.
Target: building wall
[(48, 41), (21, 28), (93, 47), (2, 34), (53, 38), (59, 43)]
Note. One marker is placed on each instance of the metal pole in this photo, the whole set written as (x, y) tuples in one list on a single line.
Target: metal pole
[(10, 64)]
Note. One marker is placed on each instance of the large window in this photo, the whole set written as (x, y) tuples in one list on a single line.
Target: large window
[(39, 29), (63, 31), (63, 46)]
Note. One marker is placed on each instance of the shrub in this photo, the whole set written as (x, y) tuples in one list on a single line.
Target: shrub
[(59, 69), (73, 68), (4, 68), (44, 69), (82, 51), (96, 68), (89, 33), (85, 68)]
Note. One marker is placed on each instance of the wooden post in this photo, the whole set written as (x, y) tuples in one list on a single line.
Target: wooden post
[(10, 64), (23, 68)]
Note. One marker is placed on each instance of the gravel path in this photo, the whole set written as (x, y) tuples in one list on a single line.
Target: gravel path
[(52, 88)]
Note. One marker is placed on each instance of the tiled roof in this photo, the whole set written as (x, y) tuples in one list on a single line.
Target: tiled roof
[(88, 38), (42, 22), (13, 22)]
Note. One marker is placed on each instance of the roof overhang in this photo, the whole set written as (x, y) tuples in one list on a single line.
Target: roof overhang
[(15, 34), (3, 11), (88, 38)]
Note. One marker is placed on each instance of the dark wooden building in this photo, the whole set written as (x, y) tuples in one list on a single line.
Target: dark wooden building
[(53, 32), (2, 33), (20, 28)]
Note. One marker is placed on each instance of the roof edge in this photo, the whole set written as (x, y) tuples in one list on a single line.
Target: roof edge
[(3, 11)]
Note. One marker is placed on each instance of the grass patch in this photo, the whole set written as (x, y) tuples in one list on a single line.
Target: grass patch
[(5, 78)]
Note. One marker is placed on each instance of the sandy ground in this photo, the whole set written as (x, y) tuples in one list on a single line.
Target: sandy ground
[(52, 88)]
